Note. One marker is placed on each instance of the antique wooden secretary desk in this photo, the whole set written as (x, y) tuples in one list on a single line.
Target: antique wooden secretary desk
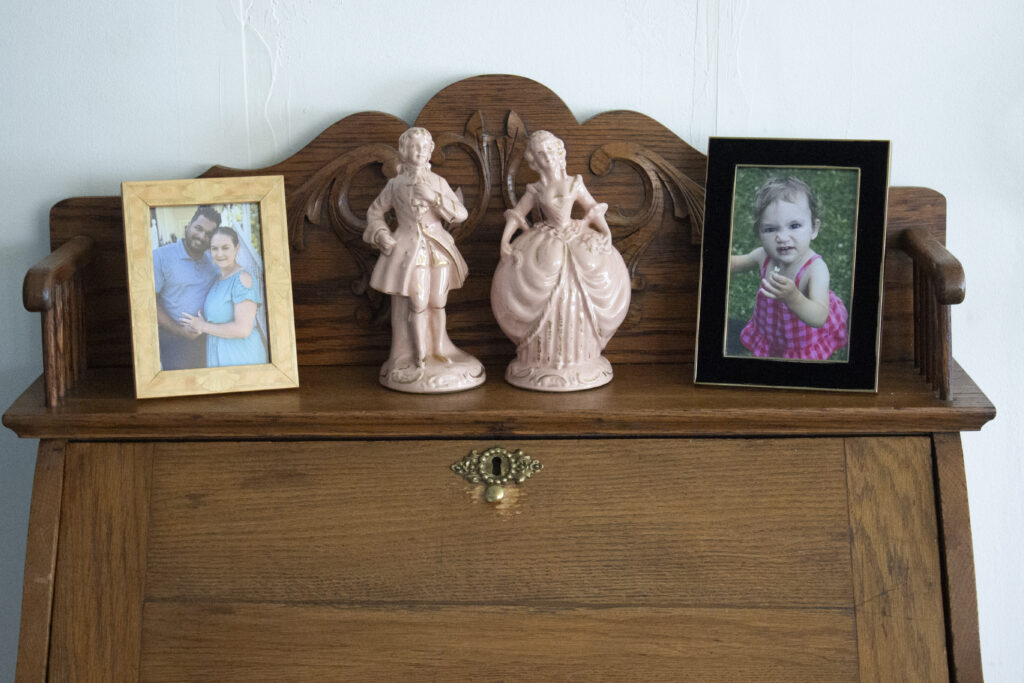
[(676, 532)]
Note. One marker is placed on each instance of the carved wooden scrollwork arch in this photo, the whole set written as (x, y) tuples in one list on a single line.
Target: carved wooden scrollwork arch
[(632, 231), (324, 198)]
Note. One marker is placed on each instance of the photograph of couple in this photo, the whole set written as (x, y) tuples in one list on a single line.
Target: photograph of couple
[(209, 285)]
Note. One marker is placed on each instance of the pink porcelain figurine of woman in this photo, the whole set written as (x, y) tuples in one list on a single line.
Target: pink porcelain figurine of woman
[(561, 289)]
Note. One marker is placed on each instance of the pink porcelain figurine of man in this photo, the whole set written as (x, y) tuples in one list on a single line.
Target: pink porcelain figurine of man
[(418, 265)]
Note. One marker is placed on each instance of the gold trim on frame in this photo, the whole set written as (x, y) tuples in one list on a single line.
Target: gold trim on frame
[(697, 365), (282, 370)]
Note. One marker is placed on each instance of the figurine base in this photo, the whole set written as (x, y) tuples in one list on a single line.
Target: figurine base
[(434, 376), (578, 377)]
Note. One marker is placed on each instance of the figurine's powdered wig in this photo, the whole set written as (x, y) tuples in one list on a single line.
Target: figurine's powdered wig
[(414, 132), (406, 138), (787, 189), (539, 139)]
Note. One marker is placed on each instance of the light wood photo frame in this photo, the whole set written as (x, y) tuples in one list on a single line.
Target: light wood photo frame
[(169, 227)]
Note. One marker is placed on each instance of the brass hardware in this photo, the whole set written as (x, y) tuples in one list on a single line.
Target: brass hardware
[(497, 468)]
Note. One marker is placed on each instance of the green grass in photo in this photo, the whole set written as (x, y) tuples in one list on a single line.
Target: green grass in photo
[(836, 189)]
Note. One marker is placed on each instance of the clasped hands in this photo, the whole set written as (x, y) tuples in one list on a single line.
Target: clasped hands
[(778, 287), (192, 325)]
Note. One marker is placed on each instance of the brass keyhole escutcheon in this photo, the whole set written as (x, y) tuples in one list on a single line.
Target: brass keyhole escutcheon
[(496, 468)]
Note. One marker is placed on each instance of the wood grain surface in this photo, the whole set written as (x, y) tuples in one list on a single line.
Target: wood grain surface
[(897, 581), (642, 400), (727, 559), (40, 561), (101, 565), (606, 522), (267, 642), (958, 557)]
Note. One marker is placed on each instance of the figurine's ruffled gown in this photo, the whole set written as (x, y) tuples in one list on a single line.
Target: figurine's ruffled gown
[(560, 297)]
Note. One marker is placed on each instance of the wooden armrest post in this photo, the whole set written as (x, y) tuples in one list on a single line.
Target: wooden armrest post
[(54, 288), (938, 283)]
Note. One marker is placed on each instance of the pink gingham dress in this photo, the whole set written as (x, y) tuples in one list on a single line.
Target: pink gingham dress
[(774, 331)]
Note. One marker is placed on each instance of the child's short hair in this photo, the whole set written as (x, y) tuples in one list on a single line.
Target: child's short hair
[(787, 189)]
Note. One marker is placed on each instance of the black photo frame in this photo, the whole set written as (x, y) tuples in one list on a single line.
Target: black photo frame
[(848, 180)]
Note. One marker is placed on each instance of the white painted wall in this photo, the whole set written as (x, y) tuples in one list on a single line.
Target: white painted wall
[(96, 93)]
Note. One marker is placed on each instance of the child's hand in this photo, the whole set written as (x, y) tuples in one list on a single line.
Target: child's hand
[(775, 286)]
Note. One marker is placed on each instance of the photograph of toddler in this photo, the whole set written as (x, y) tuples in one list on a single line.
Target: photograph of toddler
[(791, 263)]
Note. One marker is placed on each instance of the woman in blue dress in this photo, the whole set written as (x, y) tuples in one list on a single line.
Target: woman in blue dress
[(228, 318)]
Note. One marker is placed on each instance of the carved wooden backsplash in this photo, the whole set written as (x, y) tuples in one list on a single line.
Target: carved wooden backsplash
[(650, 178)]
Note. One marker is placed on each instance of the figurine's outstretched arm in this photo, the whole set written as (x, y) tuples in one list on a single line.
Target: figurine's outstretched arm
[(515, 219), (595, 211), (449, 204)]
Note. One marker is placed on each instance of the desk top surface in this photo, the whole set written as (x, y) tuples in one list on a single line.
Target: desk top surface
[(642, 400)]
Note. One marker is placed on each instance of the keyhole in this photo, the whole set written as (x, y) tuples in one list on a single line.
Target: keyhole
[(496, 466)]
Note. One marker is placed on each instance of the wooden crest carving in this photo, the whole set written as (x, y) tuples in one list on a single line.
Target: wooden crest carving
[(511, 147), (325, 197), (629, 160), (633, 230), (473, 143)]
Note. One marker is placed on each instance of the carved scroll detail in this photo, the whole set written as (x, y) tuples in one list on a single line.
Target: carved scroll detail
[(635, 230), (330, 186), (511, 148), (657, 176), (473, 142), (325, 196)]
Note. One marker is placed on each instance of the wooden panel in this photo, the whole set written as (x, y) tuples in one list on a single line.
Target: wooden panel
[(230, 642), (105, 282), (40, 558), (101, 563), (897, 582), (958, 556), (642, 400), (654, 522)]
